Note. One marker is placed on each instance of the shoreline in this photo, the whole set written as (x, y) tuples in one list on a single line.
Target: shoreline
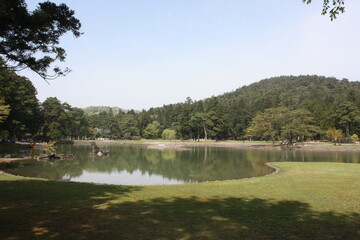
[(268, 164), (8, 160), (185, 145)]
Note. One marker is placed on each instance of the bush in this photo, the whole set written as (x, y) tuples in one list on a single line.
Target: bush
[(4, 134), (168, 134), (334, 135), (354, 138)]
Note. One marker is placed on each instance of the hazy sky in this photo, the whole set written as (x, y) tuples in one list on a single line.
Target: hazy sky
[(137, 54)]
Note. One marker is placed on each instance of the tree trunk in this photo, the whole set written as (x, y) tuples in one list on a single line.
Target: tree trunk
[(347, 130), (291, 139)]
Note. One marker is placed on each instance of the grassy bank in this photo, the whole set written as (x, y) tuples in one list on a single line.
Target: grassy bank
[(301, 201)]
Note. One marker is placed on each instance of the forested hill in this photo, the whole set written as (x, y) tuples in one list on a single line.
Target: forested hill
[(319, 95), (232, 112), (292, 91)]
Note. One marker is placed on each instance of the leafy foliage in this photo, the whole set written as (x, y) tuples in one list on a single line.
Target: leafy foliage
[(62, 121), (333, 7), (354, 138), (4, 110), (299, 124), (20, 95), (152, 130), (168, 134), (334, 135), (31, 39), (347, 115), (283, 123)]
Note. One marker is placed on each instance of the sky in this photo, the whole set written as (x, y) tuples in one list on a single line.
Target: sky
[(138, 54)]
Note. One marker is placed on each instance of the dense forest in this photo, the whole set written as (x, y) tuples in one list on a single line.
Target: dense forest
[(288, 108)]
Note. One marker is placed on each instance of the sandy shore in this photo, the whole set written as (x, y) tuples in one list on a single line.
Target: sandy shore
[(184, 145), (10, 159), (7, 160)]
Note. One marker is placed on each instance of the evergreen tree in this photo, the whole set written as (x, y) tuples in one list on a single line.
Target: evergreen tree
[(347, 115), (57, 122)]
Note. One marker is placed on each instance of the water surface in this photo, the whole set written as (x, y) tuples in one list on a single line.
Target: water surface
[(137, 165)]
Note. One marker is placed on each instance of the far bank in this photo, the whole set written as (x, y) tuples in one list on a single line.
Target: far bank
[(260, 145)]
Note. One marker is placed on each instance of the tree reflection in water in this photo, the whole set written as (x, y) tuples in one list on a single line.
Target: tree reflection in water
[(149, 166)]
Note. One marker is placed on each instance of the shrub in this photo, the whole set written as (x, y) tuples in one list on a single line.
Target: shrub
[(168, 134), (354, 138), (334, 135)]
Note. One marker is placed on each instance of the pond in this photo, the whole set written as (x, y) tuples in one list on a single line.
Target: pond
[(138, 165)]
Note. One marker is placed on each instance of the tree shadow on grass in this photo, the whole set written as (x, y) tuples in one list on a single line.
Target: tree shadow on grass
[(86, 213), (232, 218), (33, 209)]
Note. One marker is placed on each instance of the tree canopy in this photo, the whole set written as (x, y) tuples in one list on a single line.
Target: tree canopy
[(283, 124), (4, 110), (30, 39), (333, 7), (20, 95), (61, 121)]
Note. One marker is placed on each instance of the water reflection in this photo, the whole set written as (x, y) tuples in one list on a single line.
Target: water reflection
[(125, 178), (137, 165)]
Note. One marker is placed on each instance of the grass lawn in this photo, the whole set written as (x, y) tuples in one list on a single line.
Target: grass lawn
[(302, 201)]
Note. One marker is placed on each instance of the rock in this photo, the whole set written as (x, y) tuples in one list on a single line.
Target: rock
[(95, 148), (97, 151), (70, 156), (54, 156), (106, 153)]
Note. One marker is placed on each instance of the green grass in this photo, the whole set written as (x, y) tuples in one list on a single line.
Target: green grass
[(301, 201)]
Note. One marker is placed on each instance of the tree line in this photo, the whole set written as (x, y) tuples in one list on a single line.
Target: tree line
[(282, 108)]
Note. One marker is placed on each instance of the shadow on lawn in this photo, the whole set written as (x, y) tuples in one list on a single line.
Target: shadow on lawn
[(80, 213)]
